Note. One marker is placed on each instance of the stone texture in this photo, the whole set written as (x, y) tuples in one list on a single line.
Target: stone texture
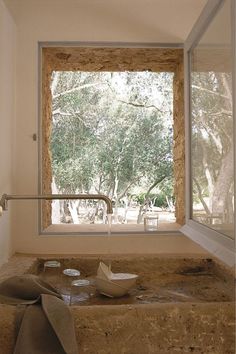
[(112, 59), (7, 329), (162, 329), (18, 265), (46, 133), (206, 328), (179, 144), (160, 280)]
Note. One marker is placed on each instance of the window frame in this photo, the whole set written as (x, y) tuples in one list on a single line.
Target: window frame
[(222, 246), (55, 229)]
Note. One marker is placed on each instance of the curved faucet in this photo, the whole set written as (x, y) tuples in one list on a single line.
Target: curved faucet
[(105, 198)]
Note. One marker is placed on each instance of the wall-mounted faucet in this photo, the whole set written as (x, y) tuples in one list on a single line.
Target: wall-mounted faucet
[(6, 197)]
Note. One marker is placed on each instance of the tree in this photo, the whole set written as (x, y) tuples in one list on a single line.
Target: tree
[(212, 143), (111, 132)]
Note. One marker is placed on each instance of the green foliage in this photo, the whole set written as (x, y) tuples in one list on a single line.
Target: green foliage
[(159, 199), (112, 132)]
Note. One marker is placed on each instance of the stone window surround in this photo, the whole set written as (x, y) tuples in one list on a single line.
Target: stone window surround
[(77, 58)]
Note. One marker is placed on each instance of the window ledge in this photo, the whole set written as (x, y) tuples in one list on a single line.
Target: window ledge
[(101, 229)]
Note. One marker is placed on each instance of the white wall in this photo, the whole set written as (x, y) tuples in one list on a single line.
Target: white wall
[(7, 102), (58, 20)]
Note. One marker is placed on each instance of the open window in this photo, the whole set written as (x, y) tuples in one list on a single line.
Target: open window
[(210, 131)]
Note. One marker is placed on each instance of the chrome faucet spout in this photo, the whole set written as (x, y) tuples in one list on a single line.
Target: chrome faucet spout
[(105, 198)]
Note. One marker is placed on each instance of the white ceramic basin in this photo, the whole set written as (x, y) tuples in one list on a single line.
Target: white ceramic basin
[(108, 288), (113, 284), (126, 280)]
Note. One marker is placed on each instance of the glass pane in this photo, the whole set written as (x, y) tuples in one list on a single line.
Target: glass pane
[(212, 126)]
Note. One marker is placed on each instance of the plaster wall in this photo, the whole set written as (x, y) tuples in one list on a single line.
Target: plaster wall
[(39, 21), (7, 101)]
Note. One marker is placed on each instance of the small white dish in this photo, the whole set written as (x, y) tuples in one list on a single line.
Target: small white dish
[(126, 280), (71, 272), (52, 264)]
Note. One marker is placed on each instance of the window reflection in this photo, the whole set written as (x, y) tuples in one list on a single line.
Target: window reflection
[(212, 127)]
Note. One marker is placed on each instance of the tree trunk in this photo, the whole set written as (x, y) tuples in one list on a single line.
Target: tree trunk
[(116, 200), (210, 182), (72, 205), (141, 209), (56, 210), (223, 184), (200, 196)]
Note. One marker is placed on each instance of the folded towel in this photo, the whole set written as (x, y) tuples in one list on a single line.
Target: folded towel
[(24, 289), (46, 325)]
